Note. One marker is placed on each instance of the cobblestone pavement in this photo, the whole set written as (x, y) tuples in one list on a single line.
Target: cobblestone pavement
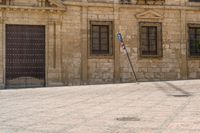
[(150, 107)]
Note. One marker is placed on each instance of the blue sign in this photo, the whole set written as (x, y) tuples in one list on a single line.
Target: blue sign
[(120, 38)]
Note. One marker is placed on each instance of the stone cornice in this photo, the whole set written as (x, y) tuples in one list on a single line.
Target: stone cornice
[(108, 5), (11, 7), (112, 5), (57, 3)]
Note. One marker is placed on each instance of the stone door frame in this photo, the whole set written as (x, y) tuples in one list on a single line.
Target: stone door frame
[(4, 47)]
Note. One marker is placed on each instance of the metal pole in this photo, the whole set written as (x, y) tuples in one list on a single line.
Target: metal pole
[(131, 64), (120, 38)]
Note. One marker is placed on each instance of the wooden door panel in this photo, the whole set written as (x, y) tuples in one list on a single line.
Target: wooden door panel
[(25, 55)]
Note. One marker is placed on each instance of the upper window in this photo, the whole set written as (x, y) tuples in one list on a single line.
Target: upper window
[(151, 2), (194, 40), (194, 0), (125, 1), (101, 38), (2, 1), (150, 40)]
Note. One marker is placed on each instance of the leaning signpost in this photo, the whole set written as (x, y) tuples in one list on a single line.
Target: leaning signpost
[(120, 38)]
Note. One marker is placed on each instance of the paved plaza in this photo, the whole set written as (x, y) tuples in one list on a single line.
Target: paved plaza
[(149, 107)]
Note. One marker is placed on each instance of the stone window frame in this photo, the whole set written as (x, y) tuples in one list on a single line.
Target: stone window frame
[(111, 46), (159, 39), (150, 2), (6, 2), (192, 3), (125, 1), (188, 36), (3, 2)]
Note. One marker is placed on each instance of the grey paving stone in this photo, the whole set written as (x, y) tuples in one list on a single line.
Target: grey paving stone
[(149, 107)]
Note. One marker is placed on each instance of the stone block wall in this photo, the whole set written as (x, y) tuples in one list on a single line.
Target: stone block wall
[(148, 69), (194, 69), (100, 71), (193, 64), (71, 46), (174, 63), (26, 2), (69, 61)]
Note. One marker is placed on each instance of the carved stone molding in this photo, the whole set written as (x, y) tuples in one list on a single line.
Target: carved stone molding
[(150, 14), (50, 5), (151, 2), (58, 3)]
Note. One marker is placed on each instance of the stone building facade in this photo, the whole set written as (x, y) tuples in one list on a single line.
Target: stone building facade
[(73, 42)]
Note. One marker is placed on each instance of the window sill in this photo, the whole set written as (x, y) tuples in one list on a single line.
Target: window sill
[(150, 56), (100, 57), (194, 57)]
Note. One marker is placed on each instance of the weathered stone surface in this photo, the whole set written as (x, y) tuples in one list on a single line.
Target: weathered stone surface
[(67, 40), (150, 107)]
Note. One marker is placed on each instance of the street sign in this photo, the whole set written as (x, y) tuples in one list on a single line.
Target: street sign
[(120, 38)]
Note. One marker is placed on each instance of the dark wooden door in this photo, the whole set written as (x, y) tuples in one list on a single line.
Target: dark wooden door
[(25, 56)]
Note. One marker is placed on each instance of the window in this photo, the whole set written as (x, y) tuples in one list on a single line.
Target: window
[(194, 0), (101, 38), (151, 2), (125, 1), (194, 40), (150, 40), (2, 1)]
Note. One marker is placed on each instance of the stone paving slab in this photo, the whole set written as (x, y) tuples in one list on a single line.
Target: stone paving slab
[(149, 107)]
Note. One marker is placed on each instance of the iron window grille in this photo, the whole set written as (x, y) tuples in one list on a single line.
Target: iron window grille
[(151, 2), (194, 40), (3, 2), (125, 1), (101, 38), (194, 0), (150, 39)]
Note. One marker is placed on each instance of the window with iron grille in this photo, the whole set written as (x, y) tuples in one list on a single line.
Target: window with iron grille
[(2, 1), (125, 1), (150, 40), (194, 0), (101, 38), (194, 40), (151, 2)]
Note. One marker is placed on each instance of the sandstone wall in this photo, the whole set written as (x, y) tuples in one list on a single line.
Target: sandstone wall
[(52, 23), (68, 59), (174, 63), (26, 2), (166, 67), (193, 64), (71, 46)]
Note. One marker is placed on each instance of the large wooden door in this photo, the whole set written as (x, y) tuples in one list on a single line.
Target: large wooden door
[(25, 56)]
